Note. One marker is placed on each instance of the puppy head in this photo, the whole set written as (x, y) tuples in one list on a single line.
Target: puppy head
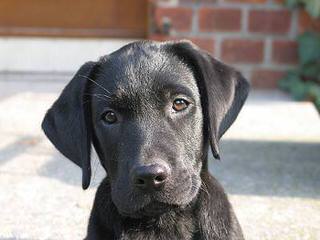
[(149, 109)]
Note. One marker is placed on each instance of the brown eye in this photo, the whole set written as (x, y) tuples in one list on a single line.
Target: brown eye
[(180, 104), (110, 117)]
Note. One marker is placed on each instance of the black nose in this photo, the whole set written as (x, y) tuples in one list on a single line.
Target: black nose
[(150, 177)]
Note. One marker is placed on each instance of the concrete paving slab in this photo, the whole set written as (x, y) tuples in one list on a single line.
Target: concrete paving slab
[(270, 168)]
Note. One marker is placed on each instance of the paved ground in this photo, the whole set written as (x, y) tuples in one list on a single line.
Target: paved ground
[(270, 167)]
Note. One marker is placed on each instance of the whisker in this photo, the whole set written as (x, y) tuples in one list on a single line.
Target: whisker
[(97, 95), (89, 100), (95, 167), (204, 187), (101, 98), (99, 85), (101, 75)]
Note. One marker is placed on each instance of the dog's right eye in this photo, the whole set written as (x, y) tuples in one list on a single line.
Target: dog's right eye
[(180, 104), (109, 117)]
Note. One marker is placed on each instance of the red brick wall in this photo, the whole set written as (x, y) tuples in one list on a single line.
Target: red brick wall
[(255, 36)]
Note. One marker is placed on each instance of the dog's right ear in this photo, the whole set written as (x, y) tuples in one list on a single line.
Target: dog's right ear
[(223, 90), (67, 123)]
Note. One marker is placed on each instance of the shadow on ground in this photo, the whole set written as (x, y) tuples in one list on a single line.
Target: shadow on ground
[(62, 169), (281, 169), (19, 146)]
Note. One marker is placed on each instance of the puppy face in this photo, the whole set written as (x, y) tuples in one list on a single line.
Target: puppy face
[(150, 110), (148, 123)]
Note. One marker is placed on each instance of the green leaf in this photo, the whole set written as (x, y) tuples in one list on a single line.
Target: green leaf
[(317, 103), (290, 79), (293, 3), (309, 47), (299, 90), (314, 91), (311, 70), (313, 7), (294, 85)]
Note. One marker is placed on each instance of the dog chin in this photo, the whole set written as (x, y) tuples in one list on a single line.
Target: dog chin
[(152, 209), (153, 205)]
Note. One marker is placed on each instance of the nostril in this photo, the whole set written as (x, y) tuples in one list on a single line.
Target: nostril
[(150, 177), (160, 178), (139, 181)]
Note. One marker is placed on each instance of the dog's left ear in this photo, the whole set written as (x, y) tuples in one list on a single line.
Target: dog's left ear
[(223, 90), (67, 123)]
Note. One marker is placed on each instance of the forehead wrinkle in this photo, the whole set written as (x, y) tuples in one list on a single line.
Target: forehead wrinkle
[(174, 88), (134, 64), (138, 76), (175, 73)]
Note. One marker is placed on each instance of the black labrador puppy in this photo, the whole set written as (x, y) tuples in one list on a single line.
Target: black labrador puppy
[(151, 110)]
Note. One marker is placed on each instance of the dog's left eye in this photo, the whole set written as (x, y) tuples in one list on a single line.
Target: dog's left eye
[(180, 104), (109, 117)]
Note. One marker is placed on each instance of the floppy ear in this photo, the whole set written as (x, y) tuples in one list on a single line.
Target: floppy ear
[(67, 123), (223, 90)]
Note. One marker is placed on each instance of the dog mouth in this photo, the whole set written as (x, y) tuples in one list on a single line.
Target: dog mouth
[(152, 209), (157, 208), (157, 203)]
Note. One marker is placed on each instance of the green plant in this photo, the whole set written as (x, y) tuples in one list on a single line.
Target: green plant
[(304, 81), (312, 6)]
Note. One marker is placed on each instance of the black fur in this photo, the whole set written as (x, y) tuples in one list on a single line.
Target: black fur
[(139, 84)]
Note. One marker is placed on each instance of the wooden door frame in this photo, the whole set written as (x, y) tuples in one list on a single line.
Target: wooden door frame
[(12, 29)]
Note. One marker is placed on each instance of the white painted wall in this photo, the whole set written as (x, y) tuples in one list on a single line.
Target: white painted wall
[(52, 54)]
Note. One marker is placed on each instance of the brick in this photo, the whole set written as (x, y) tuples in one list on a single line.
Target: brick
[(247, 1), (269, 21), (204, 43), (285, 52), (219, 19), (307, 23), (266, 78), (190, 1), (163, 1), (205, 1), (180, 17), (242, 51), (282, 2), (160, 37)]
